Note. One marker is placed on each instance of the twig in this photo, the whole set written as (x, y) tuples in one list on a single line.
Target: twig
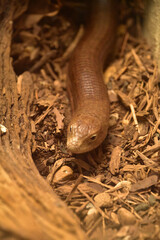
[(94, 203), (134, 117), (137, 60), (74, 187), (43, 60), (72, 46)]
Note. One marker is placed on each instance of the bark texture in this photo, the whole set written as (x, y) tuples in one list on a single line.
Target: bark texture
[(29, 209)]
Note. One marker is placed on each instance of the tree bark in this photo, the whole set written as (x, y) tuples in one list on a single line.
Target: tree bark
[(29, 209)]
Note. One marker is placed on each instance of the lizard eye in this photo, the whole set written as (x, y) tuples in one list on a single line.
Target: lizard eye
[(93, 137)]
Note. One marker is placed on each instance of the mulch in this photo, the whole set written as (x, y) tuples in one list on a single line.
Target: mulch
[(113, 190)]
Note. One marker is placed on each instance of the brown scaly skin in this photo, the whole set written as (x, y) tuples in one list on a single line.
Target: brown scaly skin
[(87, 91)]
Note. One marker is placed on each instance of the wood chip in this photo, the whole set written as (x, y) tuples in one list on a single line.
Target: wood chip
[(126, 100), (59, 119), (145, 183), (114, 164)]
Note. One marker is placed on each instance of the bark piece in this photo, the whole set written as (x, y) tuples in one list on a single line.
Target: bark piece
[(29, 207)]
